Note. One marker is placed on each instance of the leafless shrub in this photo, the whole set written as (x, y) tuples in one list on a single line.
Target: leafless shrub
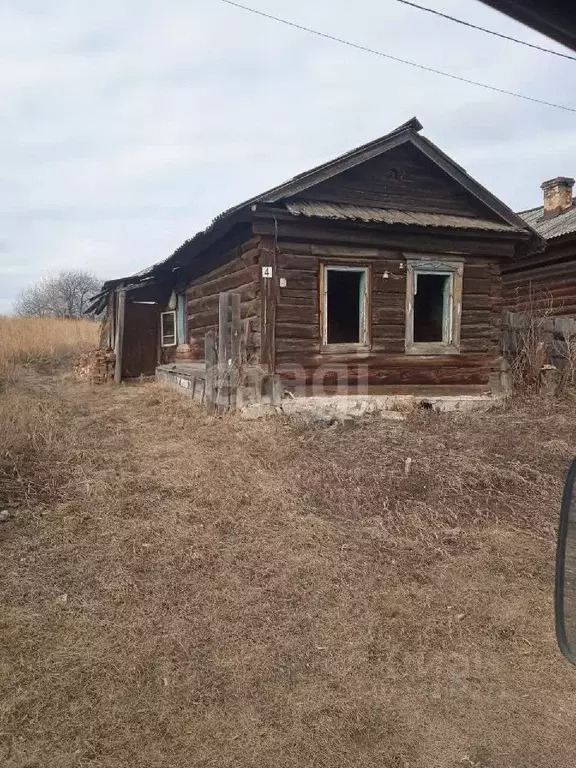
[(532, 341)]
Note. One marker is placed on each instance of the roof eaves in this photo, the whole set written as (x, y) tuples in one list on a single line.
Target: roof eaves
[(460, 175)]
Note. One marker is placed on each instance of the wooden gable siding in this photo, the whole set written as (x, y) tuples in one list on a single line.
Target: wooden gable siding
[(298, 332), (240, 272), (401, 179)]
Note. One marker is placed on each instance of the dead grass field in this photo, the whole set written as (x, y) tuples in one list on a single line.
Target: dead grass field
[(37, 339), (178, 591)]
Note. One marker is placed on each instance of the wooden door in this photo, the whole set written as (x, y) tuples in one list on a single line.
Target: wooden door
[(140, 347)]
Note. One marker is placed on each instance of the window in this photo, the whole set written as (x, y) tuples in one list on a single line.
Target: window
[(345, 305), (168, 328), (433, 306)]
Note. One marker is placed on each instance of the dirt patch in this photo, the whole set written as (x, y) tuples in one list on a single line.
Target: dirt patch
[(179, 590)]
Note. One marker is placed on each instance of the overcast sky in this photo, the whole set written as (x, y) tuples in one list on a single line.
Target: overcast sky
[(127, 125)]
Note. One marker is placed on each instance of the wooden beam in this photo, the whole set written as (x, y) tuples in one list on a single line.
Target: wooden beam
[(119, 341), (235, 347), (211, 368), (269, 298)]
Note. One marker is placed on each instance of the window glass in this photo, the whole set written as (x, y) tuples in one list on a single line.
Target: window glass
[(168, 328)]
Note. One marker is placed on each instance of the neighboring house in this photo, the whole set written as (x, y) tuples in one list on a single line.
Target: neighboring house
[(546, 281), (384, 263)]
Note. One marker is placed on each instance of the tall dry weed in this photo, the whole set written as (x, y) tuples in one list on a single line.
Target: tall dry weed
[(43, 339)]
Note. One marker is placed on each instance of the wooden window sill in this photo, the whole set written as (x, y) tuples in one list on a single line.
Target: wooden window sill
[(432, 348), (332, 349)]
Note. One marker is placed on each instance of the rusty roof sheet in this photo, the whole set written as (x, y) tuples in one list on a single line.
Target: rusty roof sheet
[(563, 224), (316, 209)]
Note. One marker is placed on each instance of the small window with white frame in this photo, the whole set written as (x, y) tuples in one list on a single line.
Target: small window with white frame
[(168, 329), (433, 305), (344, 310)]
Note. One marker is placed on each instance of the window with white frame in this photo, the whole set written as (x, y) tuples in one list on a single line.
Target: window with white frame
[(344, 308), (433, 305), (168, 329)]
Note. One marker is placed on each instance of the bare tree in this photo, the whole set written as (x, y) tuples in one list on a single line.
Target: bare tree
[(65, 295)]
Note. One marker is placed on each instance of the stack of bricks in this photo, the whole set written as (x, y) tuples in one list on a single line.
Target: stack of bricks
[(97, 366)]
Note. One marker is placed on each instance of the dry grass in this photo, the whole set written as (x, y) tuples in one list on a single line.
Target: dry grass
[(179, 591), (43, 339)]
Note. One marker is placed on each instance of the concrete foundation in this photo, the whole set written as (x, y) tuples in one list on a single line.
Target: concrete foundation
[(251, 404)]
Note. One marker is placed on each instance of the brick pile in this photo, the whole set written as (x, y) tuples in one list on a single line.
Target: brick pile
[(96, 366)]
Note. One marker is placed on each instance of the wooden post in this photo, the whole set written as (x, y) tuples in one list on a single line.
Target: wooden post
[(268, 298), (276, 390), (211, 371), (235, 348), (223, 350), (119, 341)]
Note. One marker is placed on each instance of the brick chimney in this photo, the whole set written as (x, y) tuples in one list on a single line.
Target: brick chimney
[(557, 196)]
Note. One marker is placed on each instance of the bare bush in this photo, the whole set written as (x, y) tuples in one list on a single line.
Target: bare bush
[(532, 346)]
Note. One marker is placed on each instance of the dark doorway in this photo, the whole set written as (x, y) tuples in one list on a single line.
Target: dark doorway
[(431, 307), (344, 305)]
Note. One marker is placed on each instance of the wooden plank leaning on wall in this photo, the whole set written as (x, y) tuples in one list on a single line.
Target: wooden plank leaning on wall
[(119, 341)]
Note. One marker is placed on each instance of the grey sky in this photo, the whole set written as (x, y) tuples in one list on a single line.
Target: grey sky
[(127, 125)]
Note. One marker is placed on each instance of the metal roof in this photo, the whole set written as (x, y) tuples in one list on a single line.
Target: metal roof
[(316, 209), (555, 226)]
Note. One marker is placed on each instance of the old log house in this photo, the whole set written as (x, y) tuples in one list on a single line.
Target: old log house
[(546, 281), (384, 265)]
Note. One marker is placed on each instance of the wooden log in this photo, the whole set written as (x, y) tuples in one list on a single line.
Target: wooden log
[(294, 299), (303, 314), (294, 247), (299, 280), (345, 252), (476, 317), (290, 261), (387, 314), (393, 285), (487, 245), (226, 282), (312, 359), (476, 285), (473, 301), (388, 346), (247, 292), (300, 331)]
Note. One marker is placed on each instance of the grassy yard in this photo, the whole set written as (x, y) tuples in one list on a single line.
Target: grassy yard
[(181, 591)]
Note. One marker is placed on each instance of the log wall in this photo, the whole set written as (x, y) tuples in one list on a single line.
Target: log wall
[(544, 287), (298, 331), (240, 273)]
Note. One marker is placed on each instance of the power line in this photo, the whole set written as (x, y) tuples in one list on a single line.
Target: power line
[(488, 31), (396, 58)]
